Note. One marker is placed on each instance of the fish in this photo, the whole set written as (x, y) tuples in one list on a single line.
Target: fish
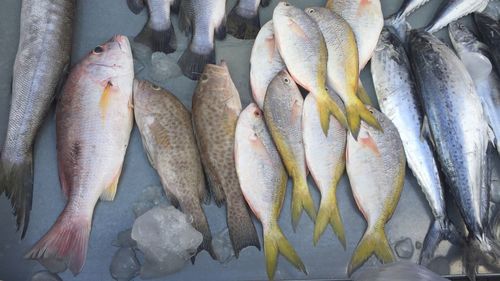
[(477, 58), (215, 108), (299, 37), (325, 158), (263, 183), (158, 33), (265, 63), (205, 21), (43, 55), (399, 20), (342, 64), (452, 10), (399, 100), (380, 158), (94, 119), (489, 31), (243, 20), (283, 114), (459, 133), (169, 141)]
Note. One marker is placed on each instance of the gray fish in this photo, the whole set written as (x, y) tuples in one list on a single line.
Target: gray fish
[(398, 99), (407, 8), (453, 10), (43, 53), (489, 29), (243, 20), (459, 132), (476, 57), (204, 20)]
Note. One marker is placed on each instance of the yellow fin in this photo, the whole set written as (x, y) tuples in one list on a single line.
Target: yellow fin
[(363, 95), (109, 193), (301, 199), (329, 213), (326, 106), (356, 111), (105, 98)]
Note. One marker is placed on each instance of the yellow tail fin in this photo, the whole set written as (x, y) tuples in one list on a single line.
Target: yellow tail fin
[(363, 95), (327, 106), (356, 111), (301, 198), (329, 213), (274, 243), (374, 241)]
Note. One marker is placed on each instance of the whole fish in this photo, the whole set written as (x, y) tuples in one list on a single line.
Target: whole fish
[(94, 119), (398, 99), (459, 132), (216, 107), (452, 10), (158, 33), (477, 58), (380, 158), (283, 113), (205, 20), (304, 52), (263, 182), (243, 20), (325, 157), (489, 29), (168, 138), (42, 55), (342, 64), (265, 63)]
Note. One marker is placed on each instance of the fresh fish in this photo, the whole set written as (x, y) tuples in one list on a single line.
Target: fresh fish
[(399, 101), (43, 53), (298, 37), (489, 29), (459, 132), (283, 113), (243, 20), (342, 64), (94, 119), (204, 20), (452, 10), (325, 156), (379, 158), (265, 63), (263, 182), (477, 58), (158, 33), (216, 107), (407, 8)]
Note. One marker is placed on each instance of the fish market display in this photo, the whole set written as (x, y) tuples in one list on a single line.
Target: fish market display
[(43, 53), (265, 62), (263, 182), (380, 158), (398, 99), (283, 112), (325, 157), (243, 20), (452, 10), (158, 33), (477, 58), (168, 138), (216, 107), (489, 29), (93, 123), (205, 21), (459, 132)]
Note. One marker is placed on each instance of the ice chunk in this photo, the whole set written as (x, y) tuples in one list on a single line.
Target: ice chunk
[(124, 239), (222, 246), (166, 238), (150, 197), (404, 248), (163, 67), (45, 276), (124, 265)]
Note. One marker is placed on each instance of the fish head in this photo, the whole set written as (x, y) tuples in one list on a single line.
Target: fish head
[(145, 90), (111, 59), (251, 122), (461, 36), (282, 83), (318, 13), (285, 10)]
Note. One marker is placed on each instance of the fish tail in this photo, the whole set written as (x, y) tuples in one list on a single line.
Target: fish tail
[(374, 241), (363, 95), (275, 243), (329, 214), (480, 249), (399, 25), (66, 241), (158, 40), (242, 27), (357, 111), (241, 228), (16, 180), (200, 223), (327, 106), (439, 230), (301, 199), (192, 64)]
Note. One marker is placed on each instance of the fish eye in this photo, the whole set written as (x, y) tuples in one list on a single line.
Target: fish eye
[(155, 87), (286, 4), (310, 11), (257, 113), (98, 50), (287, 80)]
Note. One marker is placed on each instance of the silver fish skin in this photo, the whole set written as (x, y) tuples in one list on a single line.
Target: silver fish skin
[(408, 7), (43, 53), (476, 57), (398, 99), (453, 10), (459, 131)]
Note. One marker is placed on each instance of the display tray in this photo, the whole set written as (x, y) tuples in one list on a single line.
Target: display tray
[(96, 22)]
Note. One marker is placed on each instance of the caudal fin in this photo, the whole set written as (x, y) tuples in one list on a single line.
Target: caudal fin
[(158, 40), (438, 231), (329, 214), (363, 95), (66, 242), (200, 223), (481, 249), (242, 27), (301, 199), (16, 180), (192, 64), (357, 111), (275, 243), (241, 229), (374, 241), (327, 106)]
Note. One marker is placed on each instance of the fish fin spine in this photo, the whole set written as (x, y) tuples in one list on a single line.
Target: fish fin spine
[(301, 199)]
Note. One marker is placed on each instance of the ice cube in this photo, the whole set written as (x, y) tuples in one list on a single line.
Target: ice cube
[(163, 67), (124, 239), (404, 248), (45, 276), (124, 265), (223, 247), (151, 196)]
